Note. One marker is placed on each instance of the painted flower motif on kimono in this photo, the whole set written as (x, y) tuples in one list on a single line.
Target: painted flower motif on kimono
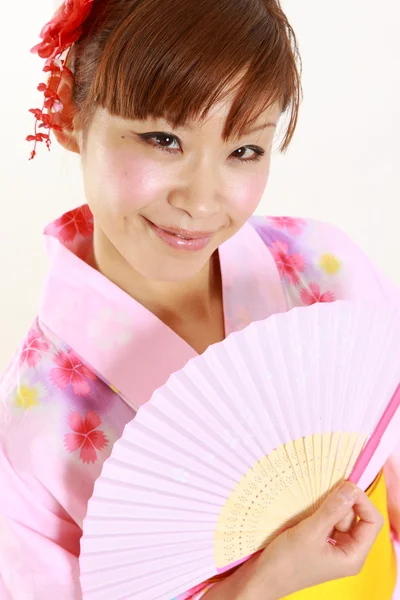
[(330, 264), (270, 234), (292, 225), (110, 328), (313, 294), (71, 371), (28, 396), (101, 399), (86, 436), (289, 265), (34, 347), (73, 223)]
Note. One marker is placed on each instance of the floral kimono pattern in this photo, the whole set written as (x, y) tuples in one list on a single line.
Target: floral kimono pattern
[(94, 355)]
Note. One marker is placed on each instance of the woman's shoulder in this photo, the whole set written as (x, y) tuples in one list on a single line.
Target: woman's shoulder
[(319, 262), (304, 233), (58, 421)]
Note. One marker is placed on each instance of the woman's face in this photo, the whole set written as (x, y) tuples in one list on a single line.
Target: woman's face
[(163, 200)]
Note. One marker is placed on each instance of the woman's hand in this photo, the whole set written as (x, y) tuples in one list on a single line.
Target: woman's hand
[(301, 557)]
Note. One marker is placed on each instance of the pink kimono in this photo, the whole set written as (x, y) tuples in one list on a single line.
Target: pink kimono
[(94, 355)]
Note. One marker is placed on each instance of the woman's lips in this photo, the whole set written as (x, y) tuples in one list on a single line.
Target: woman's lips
[(182, 239)]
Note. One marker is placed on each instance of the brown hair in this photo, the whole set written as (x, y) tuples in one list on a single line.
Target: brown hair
[(175, 59)]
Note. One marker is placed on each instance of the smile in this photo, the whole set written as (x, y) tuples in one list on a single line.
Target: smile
[(181, 239)]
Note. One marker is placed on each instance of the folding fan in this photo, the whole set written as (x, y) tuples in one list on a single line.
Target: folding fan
[(244, 441)]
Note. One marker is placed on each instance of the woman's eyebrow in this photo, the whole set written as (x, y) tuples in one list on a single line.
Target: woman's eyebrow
[(189, 126), (259, 127)]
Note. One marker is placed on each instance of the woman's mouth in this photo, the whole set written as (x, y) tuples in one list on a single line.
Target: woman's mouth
[(181, 239)]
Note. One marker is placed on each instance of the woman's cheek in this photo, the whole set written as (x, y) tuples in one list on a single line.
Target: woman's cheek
[(247, 193), (132, 182)]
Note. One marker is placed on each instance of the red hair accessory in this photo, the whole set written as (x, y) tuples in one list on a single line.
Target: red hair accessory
[(58, 35)]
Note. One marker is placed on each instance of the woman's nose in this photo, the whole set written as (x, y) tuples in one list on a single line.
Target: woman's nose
[(200, 197), (197, 207)]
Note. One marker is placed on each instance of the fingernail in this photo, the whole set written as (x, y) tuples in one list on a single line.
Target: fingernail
[(348, 491)]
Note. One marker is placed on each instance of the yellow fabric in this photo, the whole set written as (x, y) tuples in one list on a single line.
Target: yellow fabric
[(377, 580)]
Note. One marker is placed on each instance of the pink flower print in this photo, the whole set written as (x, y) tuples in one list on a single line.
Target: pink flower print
[(292, 225), (289, 265), (313, 295), (86, 436), (33, 348), (72, 371), (77, 221)]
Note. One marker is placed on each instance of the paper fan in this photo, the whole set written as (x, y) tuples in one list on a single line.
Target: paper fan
[(241, 443)]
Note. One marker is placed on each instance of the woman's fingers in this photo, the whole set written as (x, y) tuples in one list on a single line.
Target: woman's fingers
[(370, 521), (347, 523), (301, 557), (334, 509), (357, 542)]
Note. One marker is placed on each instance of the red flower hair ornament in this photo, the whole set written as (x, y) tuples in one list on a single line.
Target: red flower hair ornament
[(58, 35)]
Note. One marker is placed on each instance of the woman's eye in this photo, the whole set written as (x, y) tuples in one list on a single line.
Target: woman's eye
[(258, 153), (163, 142), (164, 137)]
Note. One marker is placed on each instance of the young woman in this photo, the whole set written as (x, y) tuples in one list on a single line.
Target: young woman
[(173, 106)]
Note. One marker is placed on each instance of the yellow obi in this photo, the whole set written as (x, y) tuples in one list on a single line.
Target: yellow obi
[(377, 580)]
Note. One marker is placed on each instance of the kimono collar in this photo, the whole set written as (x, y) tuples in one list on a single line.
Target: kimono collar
[(123, 342)]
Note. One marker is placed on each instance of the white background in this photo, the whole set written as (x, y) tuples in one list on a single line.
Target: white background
[(342, 167)]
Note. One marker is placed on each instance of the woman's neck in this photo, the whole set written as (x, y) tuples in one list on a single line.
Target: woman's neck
[(194, 298)]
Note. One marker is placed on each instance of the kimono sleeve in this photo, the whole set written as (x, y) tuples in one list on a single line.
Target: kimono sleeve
[(39, 540), (392, 467), (355, 276), (39, 543), (339, 259), (318, 262)]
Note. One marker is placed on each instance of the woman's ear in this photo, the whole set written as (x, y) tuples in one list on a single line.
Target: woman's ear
[(63, 85)]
